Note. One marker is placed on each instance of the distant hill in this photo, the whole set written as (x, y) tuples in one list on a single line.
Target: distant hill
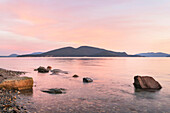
[(32, 54), (152, 54), (83, 51), (36, 53), (16, 55), (12, 55)]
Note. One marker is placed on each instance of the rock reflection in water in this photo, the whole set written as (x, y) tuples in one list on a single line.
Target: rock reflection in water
[(112, 90)]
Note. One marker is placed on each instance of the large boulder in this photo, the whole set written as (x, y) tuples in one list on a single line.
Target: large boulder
[(18, 83), (146, 82), (42, 70)]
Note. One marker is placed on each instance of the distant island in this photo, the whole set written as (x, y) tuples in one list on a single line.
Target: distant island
[(83, 51), (16, 55), (12, 55), (87, 51), (152, 54)]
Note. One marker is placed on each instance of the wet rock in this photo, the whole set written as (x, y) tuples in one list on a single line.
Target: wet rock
[(42, 70), (49, 68), (15, 111), (55, 71), (65, 72), (18, 83), (10, 109), (18, 107), (18, 92), (58, 71), (75, 76), (35, 69), (86, 79), (55, 91), (146, 82)]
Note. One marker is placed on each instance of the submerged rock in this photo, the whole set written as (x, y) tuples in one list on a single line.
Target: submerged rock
[(86, 79), (55, 91), (57, 71), (75, 76), (146, 82), (18, 83), (42, 70)]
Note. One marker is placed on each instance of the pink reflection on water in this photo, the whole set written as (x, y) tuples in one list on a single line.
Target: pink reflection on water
[(112, 89)]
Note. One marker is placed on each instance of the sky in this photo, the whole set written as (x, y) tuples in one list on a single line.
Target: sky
[(133, 26)]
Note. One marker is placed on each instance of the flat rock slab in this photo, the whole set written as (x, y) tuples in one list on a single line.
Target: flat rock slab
[(18, 83), (146, 82), (55, 91)]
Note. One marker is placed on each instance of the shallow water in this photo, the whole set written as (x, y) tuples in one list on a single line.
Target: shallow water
[(112, 90)]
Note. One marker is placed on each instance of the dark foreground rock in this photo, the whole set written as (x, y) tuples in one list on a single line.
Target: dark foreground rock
[(146, 82), (54, 91), (75, 76), (87, 80), (18, 83), (42, 70)]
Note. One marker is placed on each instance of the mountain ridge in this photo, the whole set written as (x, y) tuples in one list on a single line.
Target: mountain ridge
[(82, 51)]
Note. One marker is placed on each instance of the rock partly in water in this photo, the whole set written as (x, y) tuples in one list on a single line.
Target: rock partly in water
[(58, 71), (42, 70), (35, 69), (55, 91), (49, 68), (86, 79), (146, 82), (75, 76), (18, 83)]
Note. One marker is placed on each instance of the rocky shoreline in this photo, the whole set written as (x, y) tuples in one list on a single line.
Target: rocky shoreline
[(5, 74), (8, 103)]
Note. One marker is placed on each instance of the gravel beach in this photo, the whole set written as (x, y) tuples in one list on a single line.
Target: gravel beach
[(8, 103)]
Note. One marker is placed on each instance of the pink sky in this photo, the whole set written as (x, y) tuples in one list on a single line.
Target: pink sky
[(132, 26)]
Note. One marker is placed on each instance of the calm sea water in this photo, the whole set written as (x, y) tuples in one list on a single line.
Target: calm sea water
[(112, 90)]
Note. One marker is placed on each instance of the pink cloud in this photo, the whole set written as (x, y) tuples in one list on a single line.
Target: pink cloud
[(115, 24)]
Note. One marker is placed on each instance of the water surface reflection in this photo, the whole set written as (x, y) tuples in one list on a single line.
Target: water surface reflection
[(112, 89)]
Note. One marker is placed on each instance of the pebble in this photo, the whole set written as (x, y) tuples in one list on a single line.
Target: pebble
[(8, 103), (18, 92)]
